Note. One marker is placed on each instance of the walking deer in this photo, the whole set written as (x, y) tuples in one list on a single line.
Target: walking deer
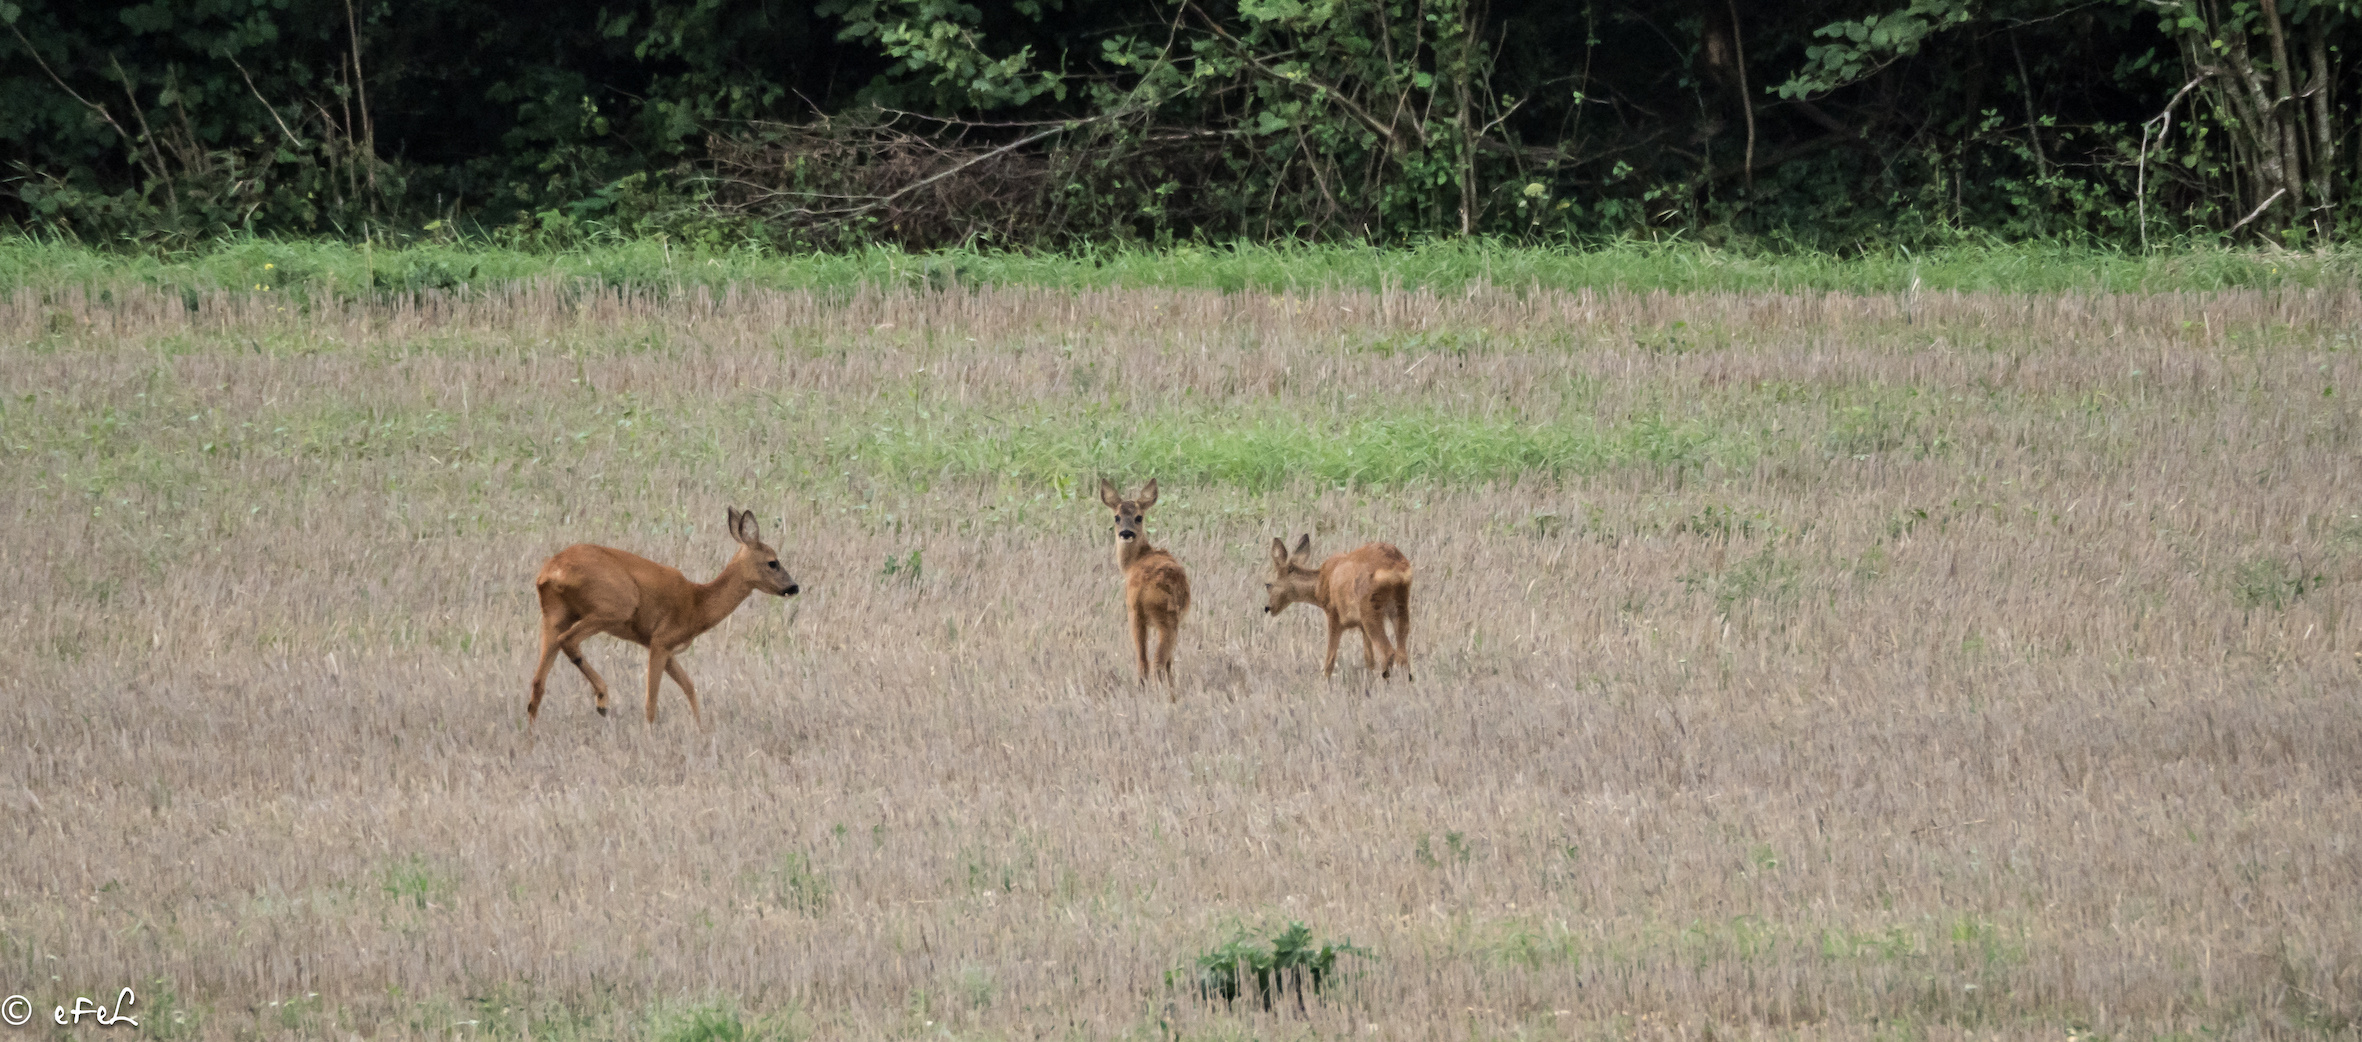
[(1156, 589), (1361, 590), (588, 590)]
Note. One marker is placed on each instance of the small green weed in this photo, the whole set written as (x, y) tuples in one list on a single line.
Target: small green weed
[(1456, 850), (297, 1014), (711, 1023), (414, 881), (799, 886), (1904, 522), (2273, 584), (907, 567), (162, 1013), (1673, 338), (1727, 523), (1291, 962), (984, 873), (977, 985), (1762, 576), (1862, 431), (1442, 343)]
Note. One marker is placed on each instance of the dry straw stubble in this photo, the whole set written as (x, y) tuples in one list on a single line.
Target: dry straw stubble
[(1975, 664)]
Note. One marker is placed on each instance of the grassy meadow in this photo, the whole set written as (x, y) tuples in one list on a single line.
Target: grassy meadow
[(1947, 662)]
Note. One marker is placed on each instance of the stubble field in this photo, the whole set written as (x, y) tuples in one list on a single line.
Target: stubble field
[(1788, 665)]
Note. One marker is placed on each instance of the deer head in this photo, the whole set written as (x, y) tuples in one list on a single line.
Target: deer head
[(1293, 577), (756, 563), (1130, 514)]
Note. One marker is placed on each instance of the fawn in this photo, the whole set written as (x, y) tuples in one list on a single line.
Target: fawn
[(1156, 589), (588, 590), (1360, 590)]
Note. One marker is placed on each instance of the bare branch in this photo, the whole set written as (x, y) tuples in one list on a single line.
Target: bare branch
[(266, 105), (2259, 211)]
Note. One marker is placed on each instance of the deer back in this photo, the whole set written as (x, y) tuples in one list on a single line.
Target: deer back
[(1349, 580)]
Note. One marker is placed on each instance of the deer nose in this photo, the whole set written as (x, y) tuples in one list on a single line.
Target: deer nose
[(1124, 534), (792, 588)]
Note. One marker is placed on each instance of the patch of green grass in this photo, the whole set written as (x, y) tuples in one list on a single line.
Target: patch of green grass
[(1765, 576), (797, 885), (1267, 452), (415, 881), (710, 1023), (2273, 584), (163, 1013)]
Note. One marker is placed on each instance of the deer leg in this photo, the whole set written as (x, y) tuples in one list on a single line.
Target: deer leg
[(549, 653), (658, 659), (1166, 630), (598, 683), (1374, 616), (1373, 644), (1336, 633), (672, 668), (1140, 643), (1402, 632), (567, 637)]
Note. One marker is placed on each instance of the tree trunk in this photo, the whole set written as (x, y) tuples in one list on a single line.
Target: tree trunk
[(2285, 113), (2324, 135)]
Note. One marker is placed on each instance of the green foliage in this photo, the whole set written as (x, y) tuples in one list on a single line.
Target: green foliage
[(415, 882), (1861, 47), (907, 567), (164, 1014), (1456, 851), (797, 885), (1290, 962), (2273, 584), (1763, 577), (729, 124), (939, 55), (715, 1021)]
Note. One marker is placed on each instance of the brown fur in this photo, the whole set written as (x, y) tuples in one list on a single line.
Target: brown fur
[(1156, 588), (587, 590), (1362, 590)]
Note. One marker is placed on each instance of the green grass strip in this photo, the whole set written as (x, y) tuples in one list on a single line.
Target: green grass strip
[(1265, 453), (342, 269)]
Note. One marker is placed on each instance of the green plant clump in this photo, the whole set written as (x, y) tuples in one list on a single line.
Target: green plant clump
[(1291, 964)]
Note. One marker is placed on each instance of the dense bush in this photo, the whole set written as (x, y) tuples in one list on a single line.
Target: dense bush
[(1826, 123)]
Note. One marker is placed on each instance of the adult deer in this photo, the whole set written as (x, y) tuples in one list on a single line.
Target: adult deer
[(588, 590), (1156, 589), (1362, 590)]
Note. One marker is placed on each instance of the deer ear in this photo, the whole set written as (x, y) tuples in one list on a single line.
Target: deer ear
[(1148, 494), (1279, 553), (1108, 494), (742, 525), (1303, 553)]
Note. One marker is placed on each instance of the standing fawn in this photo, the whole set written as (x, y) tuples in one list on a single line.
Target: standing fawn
[(588, 590), (1156, 590), (1361, 590)]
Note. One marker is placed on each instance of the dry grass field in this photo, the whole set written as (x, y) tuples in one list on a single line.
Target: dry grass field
[(1932, 666)]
